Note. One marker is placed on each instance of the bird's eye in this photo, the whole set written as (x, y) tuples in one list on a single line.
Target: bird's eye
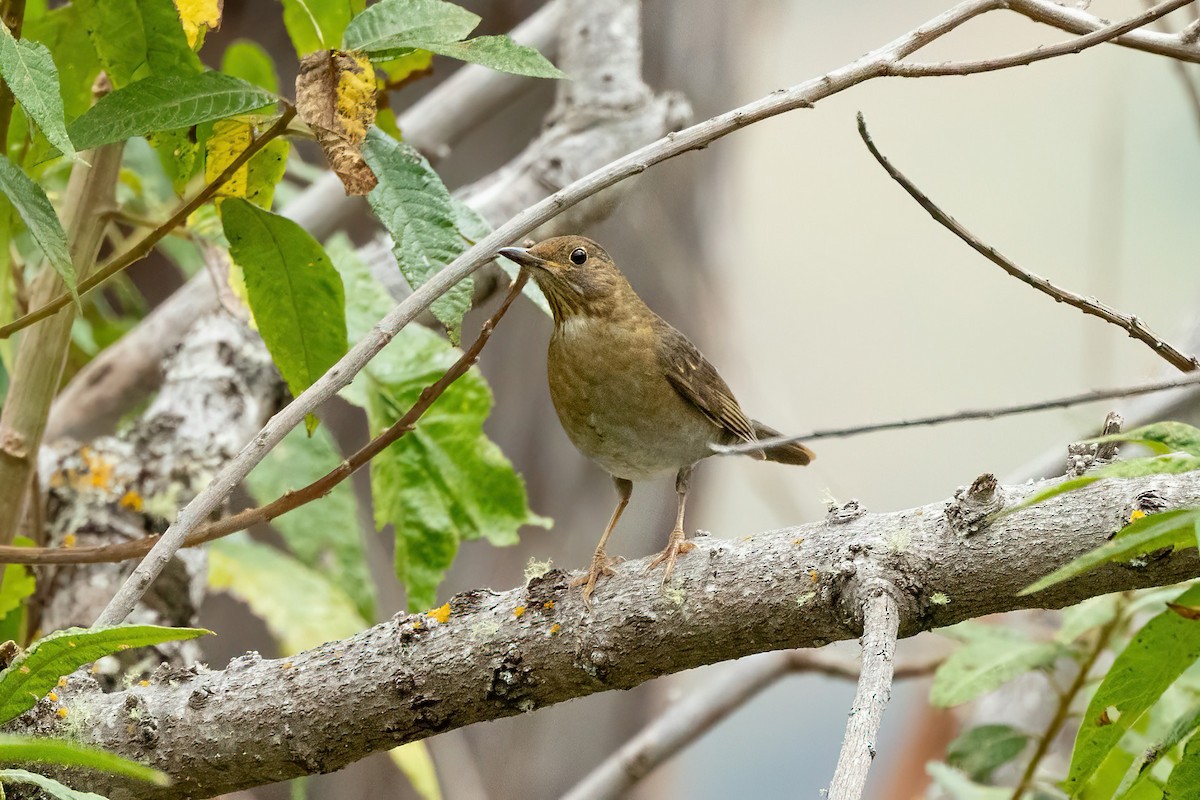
[(578, 256)]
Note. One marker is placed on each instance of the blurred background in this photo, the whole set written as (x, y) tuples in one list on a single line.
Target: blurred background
[(827, 298)]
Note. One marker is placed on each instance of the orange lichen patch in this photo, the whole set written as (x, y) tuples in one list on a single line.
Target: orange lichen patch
[(62, 682), (814, 576), (441, 614), (69, 540), (58, 479), (799, 540), (52, 697), (555, 628), (287, 665), (548, 605), (62, 713), (1136, 515), (418, 625), (143, 683), (99, 469), (132, 500), (519, 611)]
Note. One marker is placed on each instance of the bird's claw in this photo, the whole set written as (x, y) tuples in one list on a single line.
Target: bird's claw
[(602, 567), (677, 545)]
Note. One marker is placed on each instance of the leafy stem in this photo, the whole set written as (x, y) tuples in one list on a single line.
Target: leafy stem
[(142, 247)]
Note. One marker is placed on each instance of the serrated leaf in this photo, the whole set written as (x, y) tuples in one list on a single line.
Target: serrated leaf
[(978, 752), (389, 28), (991, 657), (415, 209), (474, 227), (165, 103), (32, 77), (318, 24), (18, 749), (246, 59), (1158, 654), (1145, 535), (136, 39), (36, 671), (48, 785), (1172, 464), (1161, 437), (34, 208), (959, 787), (323, 535), (198, 17), (300, 606), (63, 32), (414, 761), (499, 53), (1183, 727), (295, 294), (335, 96)]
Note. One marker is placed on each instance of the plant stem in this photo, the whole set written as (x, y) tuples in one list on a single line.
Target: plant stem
[(12, 13)]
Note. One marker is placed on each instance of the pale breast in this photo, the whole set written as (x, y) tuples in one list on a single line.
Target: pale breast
[(617, 408)]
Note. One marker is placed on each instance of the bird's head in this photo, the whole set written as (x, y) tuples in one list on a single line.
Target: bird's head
[(576, 275)]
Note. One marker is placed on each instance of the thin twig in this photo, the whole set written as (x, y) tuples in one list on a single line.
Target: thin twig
[(1042, 53), (289, 500), (881, 627), (698, 136), (704, 707), (143, 246), (1190, 87), (969, 414), (1127, 322), (1063, 712)]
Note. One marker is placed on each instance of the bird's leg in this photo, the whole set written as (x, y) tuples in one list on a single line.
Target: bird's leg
[(678, 543), (601, 563)]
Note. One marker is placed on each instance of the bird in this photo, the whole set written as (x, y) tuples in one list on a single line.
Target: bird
[(632, 393)]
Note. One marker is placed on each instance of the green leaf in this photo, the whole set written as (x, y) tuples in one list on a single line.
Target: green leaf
[(48, 785), (35, 210), (301, 607), (959, 787), (1158, 654), (295, 293), (1184, 783), (1161, 437), (323, 535), (37, 670), (15, 749), (979, 751), (991, 656), (1172, 464), (499, 53), (18, 584), (414, 761), (1145, 535), (30, 73), (367, 300), (137, 38), (1088, 615), (166, 103), (474, 227), (389, 28), (415, 209), (1183, 726), (247, 60), (318, 24), (62, 30)]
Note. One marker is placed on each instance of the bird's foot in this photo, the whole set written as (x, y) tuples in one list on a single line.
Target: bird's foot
[(677, 545), (602, 567)]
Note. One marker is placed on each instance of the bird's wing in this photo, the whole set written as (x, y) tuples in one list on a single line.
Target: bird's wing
[(697, 381)]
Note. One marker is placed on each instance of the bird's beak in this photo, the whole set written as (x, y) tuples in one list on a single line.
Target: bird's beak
[(525, 258)]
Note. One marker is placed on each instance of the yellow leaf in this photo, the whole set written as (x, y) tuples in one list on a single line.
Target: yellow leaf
[(230, 137), (335, 97), (413, 760), (197, 17)]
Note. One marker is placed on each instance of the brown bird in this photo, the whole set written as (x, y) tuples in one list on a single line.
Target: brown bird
[(632, 393)]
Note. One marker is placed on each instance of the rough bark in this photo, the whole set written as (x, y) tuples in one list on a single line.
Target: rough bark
[(499, 654)]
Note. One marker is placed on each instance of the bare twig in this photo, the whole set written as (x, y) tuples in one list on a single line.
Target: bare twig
[(1127, 322), (881, 626), (289, 500), (1071, 46), (701, 709), (143, 246), (1190, 88), (1192, 379), (872, 65)]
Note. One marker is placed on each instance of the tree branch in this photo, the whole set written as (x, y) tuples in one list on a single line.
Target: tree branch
[(881, 625), (260, 720), (872, 65), (1131, 324)]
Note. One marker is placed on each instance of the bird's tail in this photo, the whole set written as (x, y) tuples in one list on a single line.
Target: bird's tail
[(790, 453)]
